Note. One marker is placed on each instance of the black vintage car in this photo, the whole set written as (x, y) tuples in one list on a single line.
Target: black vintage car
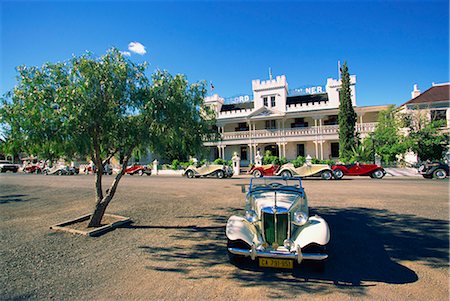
[(435, 170)]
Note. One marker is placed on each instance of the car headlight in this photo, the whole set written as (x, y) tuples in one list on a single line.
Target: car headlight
[(251, 216), (300, 218), (288, 244)]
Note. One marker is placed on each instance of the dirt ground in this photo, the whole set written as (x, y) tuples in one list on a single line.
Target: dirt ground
[(389, 241)]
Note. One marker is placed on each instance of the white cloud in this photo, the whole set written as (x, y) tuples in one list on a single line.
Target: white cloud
[(126, 53), (137, 47)]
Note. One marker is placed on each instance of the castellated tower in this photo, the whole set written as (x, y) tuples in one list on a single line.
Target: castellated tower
[(214, 102), (277, 88)]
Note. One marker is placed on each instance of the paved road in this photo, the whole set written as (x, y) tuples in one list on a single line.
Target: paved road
[(389, 241)]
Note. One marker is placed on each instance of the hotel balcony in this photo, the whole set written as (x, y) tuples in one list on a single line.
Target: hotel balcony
[(325, 132)]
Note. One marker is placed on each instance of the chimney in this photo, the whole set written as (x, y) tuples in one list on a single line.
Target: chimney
[(415, 92)]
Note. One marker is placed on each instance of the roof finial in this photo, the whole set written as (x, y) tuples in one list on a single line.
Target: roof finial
[(270, 73)]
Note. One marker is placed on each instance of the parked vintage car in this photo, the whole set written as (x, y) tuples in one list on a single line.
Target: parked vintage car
[(307, 170), (219, 171), (58, 170), (263, 170), (138, 169), (436, 170), (356, 169), (8, 166), (32, 169), (91, 169), (277, 229)]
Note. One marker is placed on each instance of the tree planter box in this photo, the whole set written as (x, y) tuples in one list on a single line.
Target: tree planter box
[(79, 225)]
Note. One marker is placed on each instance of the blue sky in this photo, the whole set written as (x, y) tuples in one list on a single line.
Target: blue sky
[(389, 45)]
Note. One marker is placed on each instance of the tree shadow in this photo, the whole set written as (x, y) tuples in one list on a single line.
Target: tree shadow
[(366, 247), (14, 198)]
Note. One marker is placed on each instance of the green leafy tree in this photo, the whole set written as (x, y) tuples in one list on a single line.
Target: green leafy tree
[(346, 117), (387, 140), (100, 108), (425, 137)]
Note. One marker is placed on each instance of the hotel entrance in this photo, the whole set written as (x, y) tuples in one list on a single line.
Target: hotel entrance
[(273, 148)]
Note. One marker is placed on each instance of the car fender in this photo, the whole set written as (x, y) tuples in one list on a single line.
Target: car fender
[(239, 228), (315, 231), (289, 168)]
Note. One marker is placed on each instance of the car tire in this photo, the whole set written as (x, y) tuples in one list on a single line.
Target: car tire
[(377, 174), (439, 174), (237, 259), (141, 173), (286, 174), (338, 174), (257, 174), (190, 174), (326, 175), (220, 174)]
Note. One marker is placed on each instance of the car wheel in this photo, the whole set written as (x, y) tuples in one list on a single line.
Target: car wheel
[(439, 174), (220, 174), (286, 174), (141, 173), (326, 175), (338, 174), (190, 174), (237, 259), (257, 174), (377, 174)]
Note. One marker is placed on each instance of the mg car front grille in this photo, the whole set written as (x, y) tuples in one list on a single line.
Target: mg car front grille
[(275, 231)]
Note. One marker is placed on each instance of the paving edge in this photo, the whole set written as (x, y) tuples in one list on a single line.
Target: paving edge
[(62, 226)]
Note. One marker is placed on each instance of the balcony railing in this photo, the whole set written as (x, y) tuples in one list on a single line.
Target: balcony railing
[(294, 132)]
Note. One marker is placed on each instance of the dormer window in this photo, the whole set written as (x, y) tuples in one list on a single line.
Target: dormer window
[(265, 101), (272, 101)]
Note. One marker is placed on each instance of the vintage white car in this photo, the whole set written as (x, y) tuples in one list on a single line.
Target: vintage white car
[(220, 171), (277, 229), (307, 170)]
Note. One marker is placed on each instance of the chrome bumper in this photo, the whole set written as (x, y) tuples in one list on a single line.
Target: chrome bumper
[(297, 256)]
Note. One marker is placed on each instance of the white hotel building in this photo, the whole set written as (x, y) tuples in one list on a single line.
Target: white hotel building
[(289, 123)]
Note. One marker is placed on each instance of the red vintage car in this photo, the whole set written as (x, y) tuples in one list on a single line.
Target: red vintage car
[(263, 170), (138, 169), (32, 169), (356, 169)]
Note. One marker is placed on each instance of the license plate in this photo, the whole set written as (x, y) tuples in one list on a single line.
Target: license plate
[(276, 263)]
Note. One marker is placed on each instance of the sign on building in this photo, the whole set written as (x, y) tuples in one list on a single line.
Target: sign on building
[(307, 90)]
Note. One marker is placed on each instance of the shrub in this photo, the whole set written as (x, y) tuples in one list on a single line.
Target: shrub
[(299, 161), (175, 164)]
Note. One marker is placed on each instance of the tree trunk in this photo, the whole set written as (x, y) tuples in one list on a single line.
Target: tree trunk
[(103, 202), (97, 216)]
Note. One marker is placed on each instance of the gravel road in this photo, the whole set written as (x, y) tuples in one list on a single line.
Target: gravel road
[(390, 241)]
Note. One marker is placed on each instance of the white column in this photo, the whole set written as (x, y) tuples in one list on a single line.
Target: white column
[(219, 150), (223, 152), (279, 150), (250, 147), (284, 149), (321, 149), (317, 150)]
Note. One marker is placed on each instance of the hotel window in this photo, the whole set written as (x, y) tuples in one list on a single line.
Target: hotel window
[(244, 153), (300, 150), (242, 126), (439, 115), (272, 101), (270, 124), (265, 102), (335, 149)]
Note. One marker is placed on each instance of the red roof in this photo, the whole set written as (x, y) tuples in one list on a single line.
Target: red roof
[(434, 94)]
